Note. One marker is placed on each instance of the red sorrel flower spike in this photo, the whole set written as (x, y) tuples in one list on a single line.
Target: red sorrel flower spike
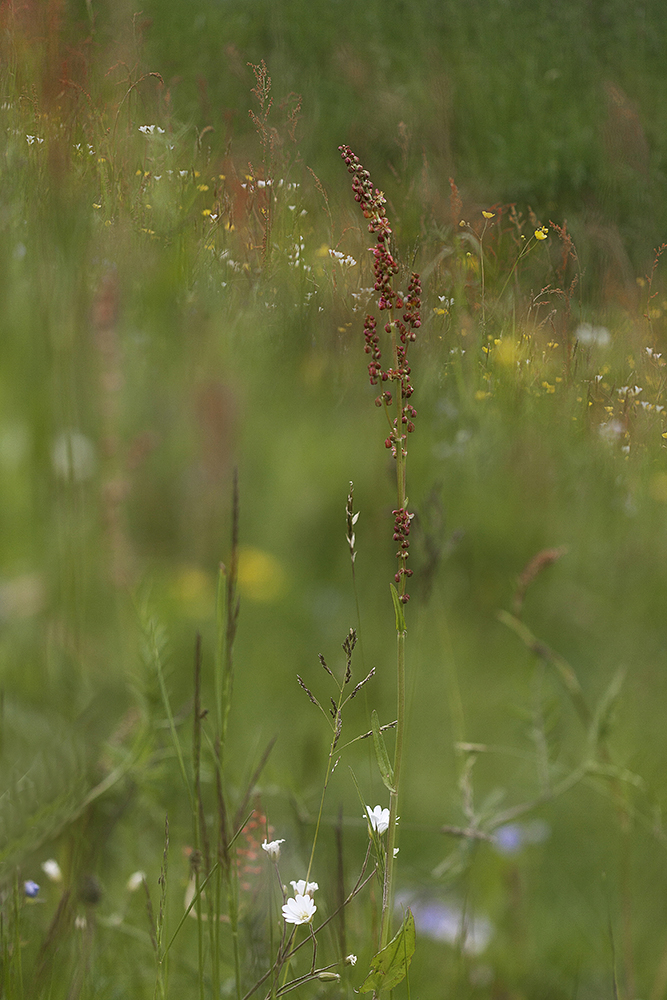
[(401, 328)]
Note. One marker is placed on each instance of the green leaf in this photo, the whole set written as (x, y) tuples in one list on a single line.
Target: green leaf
[(604, 712), (391, 964), (382, 757), (398, 610)]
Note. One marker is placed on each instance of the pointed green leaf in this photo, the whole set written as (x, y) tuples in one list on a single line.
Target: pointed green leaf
[(398, 610), (604, 712), (382, 757), (391, 964)]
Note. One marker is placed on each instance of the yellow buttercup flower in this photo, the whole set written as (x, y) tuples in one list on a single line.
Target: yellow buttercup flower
[(541, 233), (488, 215)]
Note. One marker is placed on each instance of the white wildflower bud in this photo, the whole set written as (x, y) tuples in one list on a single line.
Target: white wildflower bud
[(272, 848), (303, 888)]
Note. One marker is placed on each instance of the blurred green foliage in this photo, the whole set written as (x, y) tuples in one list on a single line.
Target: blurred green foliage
[(559, 106), (147, 350)]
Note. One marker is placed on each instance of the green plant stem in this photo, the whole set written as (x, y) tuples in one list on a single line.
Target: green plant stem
[(324, 792), (388, 889), (233, 910)]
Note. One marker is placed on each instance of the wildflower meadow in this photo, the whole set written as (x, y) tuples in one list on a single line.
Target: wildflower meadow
[(333, 480)]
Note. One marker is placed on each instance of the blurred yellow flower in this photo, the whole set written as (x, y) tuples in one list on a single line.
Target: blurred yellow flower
[(261, 577), (488, 215), (541, 233), (194, 589)]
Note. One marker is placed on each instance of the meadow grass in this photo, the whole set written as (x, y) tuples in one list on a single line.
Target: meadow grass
[(183, 406)]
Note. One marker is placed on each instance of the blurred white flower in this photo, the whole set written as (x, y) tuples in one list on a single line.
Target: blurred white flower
[(150, 129), (272, 848), (587, 334), (135, 881), (378, 818), (51, 869), (299, 910), (351, 960), (73, 456), (611, 430), (303, 888)]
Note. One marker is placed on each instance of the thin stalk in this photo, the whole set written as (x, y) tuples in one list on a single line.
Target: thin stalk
[(388, 888), (388, 891), (233, 910), (332, 750)]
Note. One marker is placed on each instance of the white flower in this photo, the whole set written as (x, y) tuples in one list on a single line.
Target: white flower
[(299, 910), (351, 960), (588, 334), (135, 881), (51, 869), (303, 888), (150, 129), (73, 456), (272, 848), (378, 819)]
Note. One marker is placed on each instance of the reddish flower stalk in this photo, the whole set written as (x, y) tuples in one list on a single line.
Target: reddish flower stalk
[(401, 319), (404, 319)]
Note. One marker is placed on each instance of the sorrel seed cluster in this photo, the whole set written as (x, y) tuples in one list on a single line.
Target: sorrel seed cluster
[(401, 326)]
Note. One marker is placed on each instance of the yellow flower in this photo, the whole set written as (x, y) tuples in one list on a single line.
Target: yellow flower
[(488, 215), (261, 577), (541, 233)]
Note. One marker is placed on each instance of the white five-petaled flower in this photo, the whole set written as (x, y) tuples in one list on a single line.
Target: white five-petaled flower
[(378, 819), (299, 909), (351, 960), (303, 888), (272, 848)]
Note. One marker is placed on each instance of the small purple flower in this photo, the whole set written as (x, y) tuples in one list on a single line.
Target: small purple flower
[(512, 837), (509, 838), (30, 888)]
